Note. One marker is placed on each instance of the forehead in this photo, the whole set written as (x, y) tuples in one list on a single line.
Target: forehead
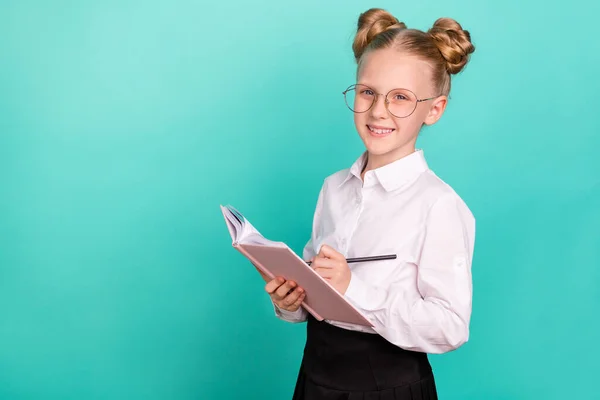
[(387, 69)]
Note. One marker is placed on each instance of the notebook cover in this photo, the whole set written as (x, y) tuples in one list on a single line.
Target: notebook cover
[(322, 300)]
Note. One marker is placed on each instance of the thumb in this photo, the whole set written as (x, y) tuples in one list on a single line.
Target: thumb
[(329, 252)]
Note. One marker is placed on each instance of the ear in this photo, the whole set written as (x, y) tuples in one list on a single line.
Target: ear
[(438, 106)]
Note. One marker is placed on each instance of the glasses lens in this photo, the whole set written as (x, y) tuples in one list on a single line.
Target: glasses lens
[(359, 98), (402, 102)]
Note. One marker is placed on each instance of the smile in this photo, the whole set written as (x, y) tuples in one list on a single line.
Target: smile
[(380, 131)]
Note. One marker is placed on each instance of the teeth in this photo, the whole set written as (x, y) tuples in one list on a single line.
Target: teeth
[(380, 131)]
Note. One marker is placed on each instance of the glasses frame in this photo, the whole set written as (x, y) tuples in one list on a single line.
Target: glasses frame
[(387, 102)]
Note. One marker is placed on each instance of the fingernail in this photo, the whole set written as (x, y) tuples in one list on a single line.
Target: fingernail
[(301, 290)]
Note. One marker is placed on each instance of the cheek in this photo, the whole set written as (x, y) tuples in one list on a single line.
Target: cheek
[(360, 119), (410, 126), (421, 113)]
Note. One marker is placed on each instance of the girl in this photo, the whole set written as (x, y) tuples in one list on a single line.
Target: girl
[(389, 201)]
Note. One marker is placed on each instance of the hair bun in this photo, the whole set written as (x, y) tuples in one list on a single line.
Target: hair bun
[(453, 42), (370, 24)]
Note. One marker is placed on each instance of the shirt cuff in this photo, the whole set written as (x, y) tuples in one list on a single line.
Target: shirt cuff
[(291, 316)]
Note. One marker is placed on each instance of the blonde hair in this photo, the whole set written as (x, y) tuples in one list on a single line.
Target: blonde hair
[(446, 46)]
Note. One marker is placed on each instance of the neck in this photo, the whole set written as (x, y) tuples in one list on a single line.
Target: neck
[(375, 161)]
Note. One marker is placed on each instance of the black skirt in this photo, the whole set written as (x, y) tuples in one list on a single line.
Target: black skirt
[(339, 364)]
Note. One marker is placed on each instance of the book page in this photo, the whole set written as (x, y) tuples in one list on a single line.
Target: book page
[(233, 224), (245, 232), (253, 236)]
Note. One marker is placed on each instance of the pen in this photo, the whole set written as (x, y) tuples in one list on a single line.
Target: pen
[(370, 258)]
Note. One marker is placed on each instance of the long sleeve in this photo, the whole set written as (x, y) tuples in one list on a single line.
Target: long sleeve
[(308, 252), (437, 319)]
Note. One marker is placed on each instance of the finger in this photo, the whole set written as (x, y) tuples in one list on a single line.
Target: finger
[(274, 284), (292, 297), (322, 251), (326, 273), (283, 290), (321, 262), (299, 301)]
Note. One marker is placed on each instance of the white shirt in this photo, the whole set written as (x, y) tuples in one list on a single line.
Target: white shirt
[(420, 301)]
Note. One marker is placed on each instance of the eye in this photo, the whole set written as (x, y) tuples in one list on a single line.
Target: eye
[(400, 97), (368, 92)]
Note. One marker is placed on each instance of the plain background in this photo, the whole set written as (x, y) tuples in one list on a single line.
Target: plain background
[(124, 125)]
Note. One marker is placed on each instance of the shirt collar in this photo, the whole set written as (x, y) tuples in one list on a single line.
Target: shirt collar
[(393, 175)]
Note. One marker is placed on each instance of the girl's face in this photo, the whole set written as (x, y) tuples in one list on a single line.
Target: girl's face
[(385, 136)]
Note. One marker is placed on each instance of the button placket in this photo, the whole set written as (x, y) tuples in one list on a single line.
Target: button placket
[(358, 200), (358, 197)]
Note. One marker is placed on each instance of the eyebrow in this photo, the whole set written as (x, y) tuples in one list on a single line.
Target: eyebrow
[(373, 87)]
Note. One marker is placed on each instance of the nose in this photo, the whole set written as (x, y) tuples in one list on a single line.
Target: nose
[(379, 109)]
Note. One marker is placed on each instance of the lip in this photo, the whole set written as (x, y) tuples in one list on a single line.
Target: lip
[(379, 135), (379, 126)]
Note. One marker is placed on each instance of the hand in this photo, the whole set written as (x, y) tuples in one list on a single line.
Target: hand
[(281, 292), (332, 266), (286, 295)]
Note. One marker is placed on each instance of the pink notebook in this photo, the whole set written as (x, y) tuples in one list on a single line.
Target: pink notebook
[(277, 259)]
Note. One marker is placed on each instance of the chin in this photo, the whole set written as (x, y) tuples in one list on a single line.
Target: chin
[(387, 150), (378, 150), (387, 144), (379, 146)]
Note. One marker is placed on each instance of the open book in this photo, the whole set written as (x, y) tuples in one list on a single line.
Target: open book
[(277, 259)]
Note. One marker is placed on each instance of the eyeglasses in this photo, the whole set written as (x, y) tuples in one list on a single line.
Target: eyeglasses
[(401, 103)]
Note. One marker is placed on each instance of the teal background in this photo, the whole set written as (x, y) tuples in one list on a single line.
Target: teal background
[(124, 125)]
